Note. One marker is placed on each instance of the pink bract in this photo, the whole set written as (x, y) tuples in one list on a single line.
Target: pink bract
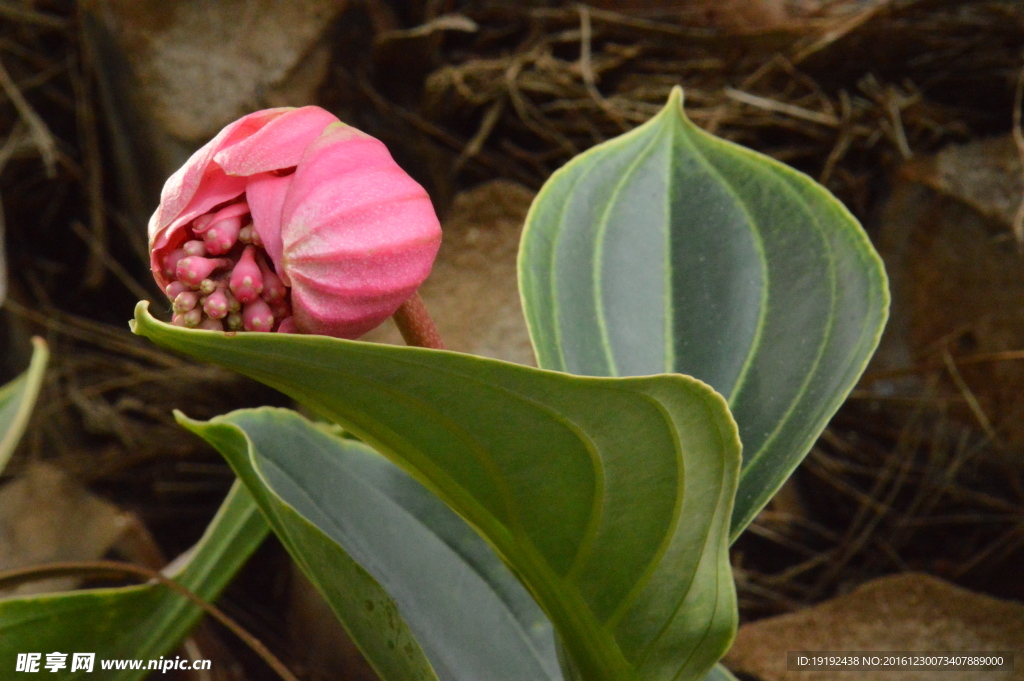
[(318, 207)]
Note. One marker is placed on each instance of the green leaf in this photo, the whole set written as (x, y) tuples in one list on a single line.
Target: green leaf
[(370, 616), (719, 673), (609, 498), (670, 250), (136, 622), (17, 399), (471, 617)]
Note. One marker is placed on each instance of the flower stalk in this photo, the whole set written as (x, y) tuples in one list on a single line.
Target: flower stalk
[(416, 325)]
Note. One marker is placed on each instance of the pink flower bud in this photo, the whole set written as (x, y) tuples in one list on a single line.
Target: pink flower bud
[(280, 308), (287, 325), (216, 304), (171, 260), (340, 236), (195, 247), (222, 235), (193, 317), (233, 304), (256, 316), (201, 223), (209, 324), (174, 288), (246, 280), (185, 301), (193, 269), (248, 235), (273, 288)]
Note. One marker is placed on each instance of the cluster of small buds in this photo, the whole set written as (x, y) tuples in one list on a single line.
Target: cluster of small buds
[(289, 220), (221, 278)]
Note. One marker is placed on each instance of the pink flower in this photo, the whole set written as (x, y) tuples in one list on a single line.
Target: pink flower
[(290, 220)]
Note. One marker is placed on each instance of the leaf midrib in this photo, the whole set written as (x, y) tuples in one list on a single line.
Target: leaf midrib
[(755, 231)]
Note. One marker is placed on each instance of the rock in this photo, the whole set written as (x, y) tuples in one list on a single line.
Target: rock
[(472, 293), (957, 279), (908, 612), (46, 517), (171, 74), (985, 174), (201, 64)]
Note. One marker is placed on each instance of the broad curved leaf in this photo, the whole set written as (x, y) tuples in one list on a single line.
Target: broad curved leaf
[(135, 622), (471, 617), (670, 250), (369, 614), (609, 498), (17, 399)]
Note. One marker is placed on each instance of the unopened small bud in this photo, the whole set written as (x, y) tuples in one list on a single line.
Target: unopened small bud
[(185, 301), (280, 308), (216, 304), (193, 269), (256, 316), (211, 324), (246, 281), (174, 288), (233, 304), (222, 235), (273, 288), (192, 317), (287, 325), (201, 223), (194, 247), (171, 261)]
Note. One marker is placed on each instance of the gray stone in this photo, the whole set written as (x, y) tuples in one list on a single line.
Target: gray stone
[(908, 612)]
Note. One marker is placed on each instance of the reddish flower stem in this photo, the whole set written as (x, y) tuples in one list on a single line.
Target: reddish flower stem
[(416, 326)]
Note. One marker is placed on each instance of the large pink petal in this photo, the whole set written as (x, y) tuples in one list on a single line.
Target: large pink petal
[(266, 193), (344, 172), (359, 235), (335, 159), (279, 144), (215, 188), (361, 210), (345, 317), (181, 187)]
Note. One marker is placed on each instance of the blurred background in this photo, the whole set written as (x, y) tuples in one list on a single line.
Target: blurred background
[(908, 110)]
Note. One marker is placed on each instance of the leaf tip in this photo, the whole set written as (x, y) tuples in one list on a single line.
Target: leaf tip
[(197, 426), (676, 97), (674, 109), (142, 315), (182, 419), (40, 353), (674, 103)]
